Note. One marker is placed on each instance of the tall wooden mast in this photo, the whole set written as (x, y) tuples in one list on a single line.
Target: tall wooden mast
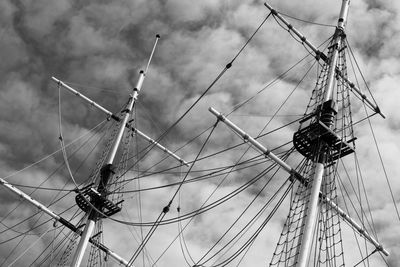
[(100, 195), (320, 156)]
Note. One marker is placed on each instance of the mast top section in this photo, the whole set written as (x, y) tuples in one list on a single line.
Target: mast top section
[(334, 50), (321, 55), (343, 14)]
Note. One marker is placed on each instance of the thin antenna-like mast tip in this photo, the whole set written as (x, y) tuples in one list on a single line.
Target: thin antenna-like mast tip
[(152, 52)]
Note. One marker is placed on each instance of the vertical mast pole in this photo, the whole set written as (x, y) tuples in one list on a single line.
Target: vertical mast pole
[(335, 53), (107, 169), (312, 205)]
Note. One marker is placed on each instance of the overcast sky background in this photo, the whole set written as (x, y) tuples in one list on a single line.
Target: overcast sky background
[(99, 47)]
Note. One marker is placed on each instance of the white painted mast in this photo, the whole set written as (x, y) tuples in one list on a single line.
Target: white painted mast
[(91, 221), (312, 207), (338, 37)]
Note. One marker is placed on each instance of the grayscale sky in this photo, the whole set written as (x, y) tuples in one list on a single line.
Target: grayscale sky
[(99, 47)]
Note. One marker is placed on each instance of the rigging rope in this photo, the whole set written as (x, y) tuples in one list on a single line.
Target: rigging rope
[(52, 242), (182, 241), (260, 228), (37, 187), (342, 188), (240, 104), (359, 70), (139, 199), (248, 206), (30, 246), (237, 219), (252, 181), (358, 198), (53, 153), (258, 135), (362, 261), (198, 211), (222, 72), (229, 148), (166, 208), (383, 165), (58, 246), (307, 21)]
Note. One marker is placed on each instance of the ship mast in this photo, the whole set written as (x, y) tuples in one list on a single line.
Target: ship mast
[(328, 113), (321, 145), (94, 201), (106, 173)]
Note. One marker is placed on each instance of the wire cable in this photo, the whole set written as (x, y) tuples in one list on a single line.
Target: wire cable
[(165, 210), (222, 72), (307, 21), (55, 152), (382, 165), (30, 246)]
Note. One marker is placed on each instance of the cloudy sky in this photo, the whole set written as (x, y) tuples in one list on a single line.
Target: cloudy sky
[(98, 47)]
